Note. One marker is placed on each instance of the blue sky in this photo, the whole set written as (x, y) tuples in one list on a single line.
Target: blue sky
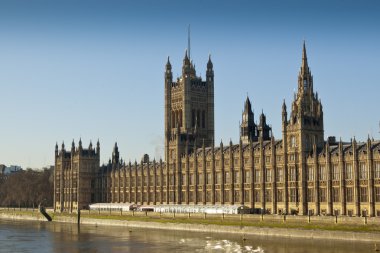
[(94, 69)]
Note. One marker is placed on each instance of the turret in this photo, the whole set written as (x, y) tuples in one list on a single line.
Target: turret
[(72, 146), (248, 128), (168, 71), (210, 70), (80, 145), (265, 131), (98, 148), (56, 149), (115, 154), (284, 113), (186, 67)]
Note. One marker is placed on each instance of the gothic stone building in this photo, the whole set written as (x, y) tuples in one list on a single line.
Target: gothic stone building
[(302, 173)]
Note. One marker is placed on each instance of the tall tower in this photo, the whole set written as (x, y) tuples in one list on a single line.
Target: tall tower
[(305, 125), (303, 133), (189, 108)]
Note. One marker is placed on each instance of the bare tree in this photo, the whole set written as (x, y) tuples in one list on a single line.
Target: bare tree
[(27, 188)]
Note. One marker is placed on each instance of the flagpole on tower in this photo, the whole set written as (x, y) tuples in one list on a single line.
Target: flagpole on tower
[(188, 40)]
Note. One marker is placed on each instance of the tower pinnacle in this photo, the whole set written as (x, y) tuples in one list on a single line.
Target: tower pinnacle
[(188, 41), (304, 66)]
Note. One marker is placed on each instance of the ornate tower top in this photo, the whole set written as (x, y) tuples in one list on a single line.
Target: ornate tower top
[(248, 128), (97, 147), (115, 154), (306, 101), (189, 107), (306, 117), (168, 65)]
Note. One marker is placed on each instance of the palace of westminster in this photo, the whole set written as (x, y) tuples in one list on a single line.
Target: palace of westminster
[(302, 173)]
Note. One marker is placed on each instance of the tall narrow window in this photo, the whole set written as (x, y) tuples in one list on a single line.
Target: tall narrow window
[(247, 177), (349, 194), (363, 171), (363, 194), (280, 195), (310, 173), (209, 181), (268, 195), (218, 178), (377, 194), (292, 174), (280, 175), (310, 194), (322, 194), (335, 172), (293, 141), (198, 118), (180, 118), (203, 119), (268, 176), (193, 118), (236, 196), (348, 171), (322, 173), (227, 177), (236, 177), (257, 196), (247, 195), (336, 194), (293, 195), (377, 170), (257, 176), (173, 119), (200, 178)]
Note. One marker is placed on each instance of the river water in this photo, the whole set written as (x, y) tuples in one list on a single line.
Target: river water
[(31, 236)]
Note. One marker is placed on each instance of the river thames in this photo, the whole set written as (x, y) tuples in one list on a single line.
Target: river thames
[(31, 236)]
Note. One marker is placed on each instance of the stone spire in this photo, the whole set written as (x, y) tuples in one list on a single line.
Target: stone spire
[(168, 65), (98, 147), (247, 106), (248, 128), (304, 66), (115, 154), (209, 63), (56, 149)]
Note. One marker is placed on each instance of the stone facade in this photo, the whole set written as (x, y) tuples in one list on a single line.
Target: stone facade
[(302, 173), (75, 177)]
